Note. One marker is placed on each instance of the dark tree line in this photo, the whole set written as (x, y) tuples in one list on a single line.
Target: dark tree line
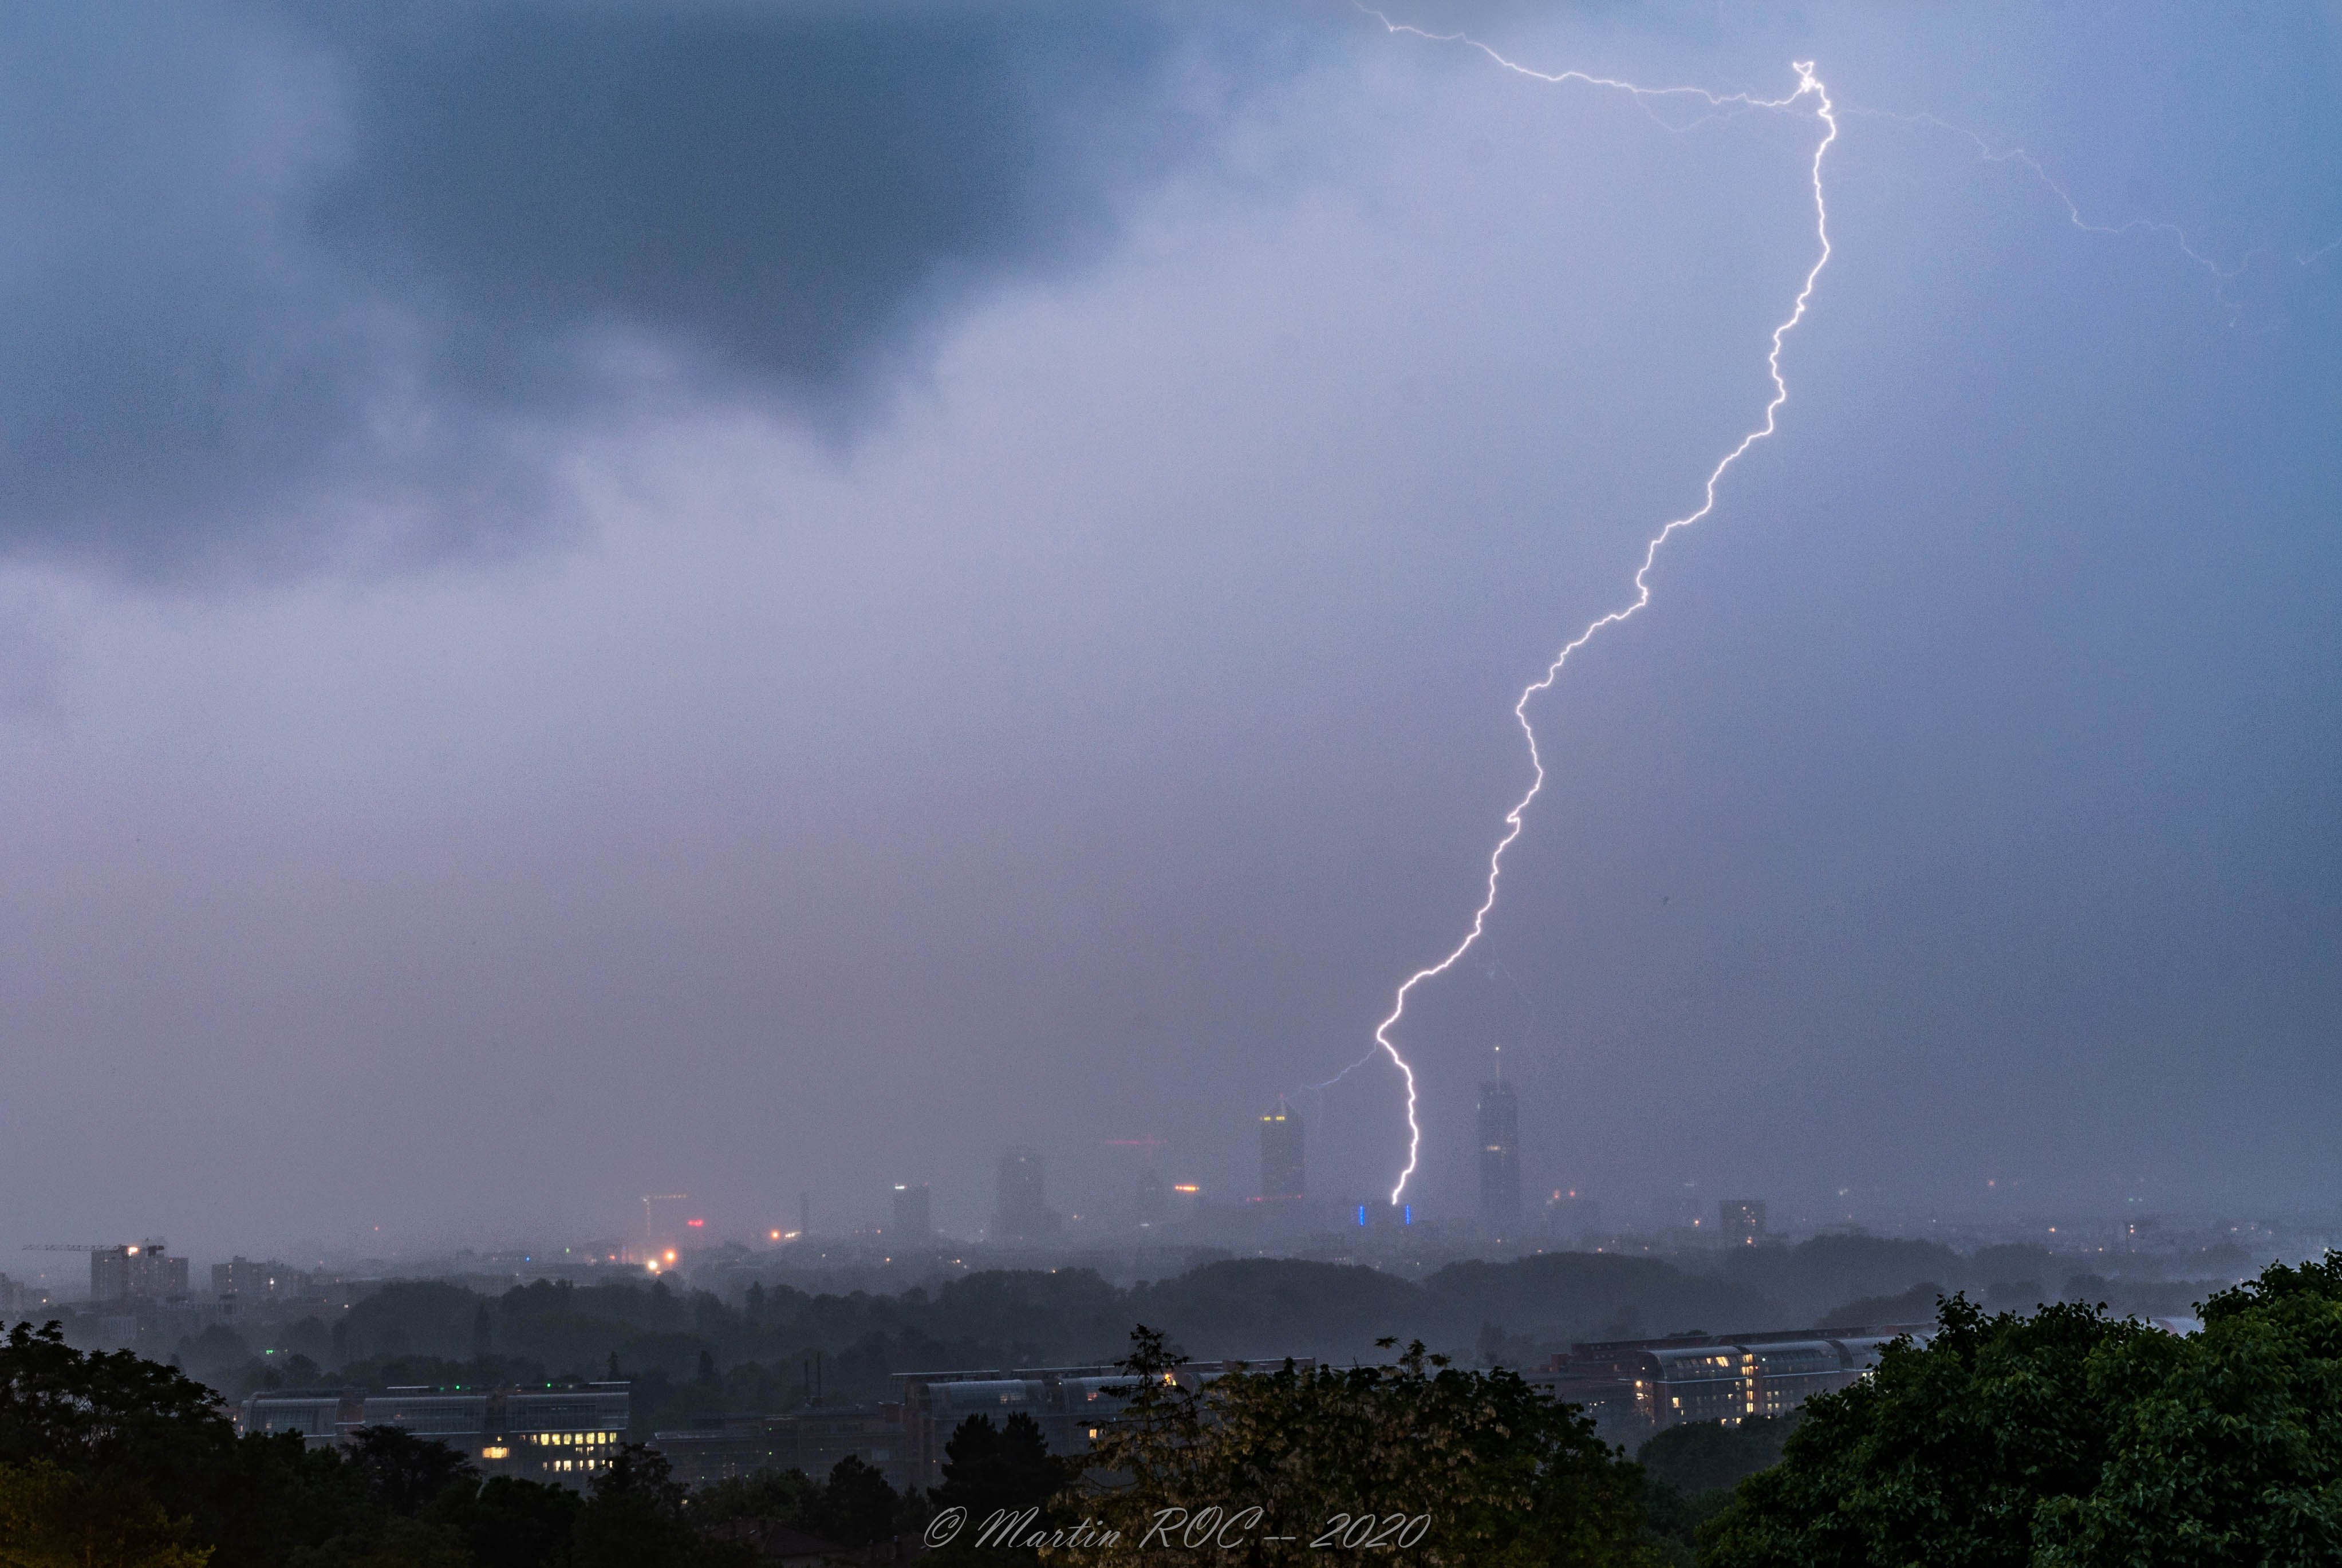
[(109, 1459), (2063, 1438), (755, 1347)]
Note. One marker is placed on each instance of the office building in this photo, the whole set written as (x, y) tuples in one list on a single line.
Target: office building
[(140, 1271), (1634, 1387), (1740, 1222), (1500, 1159), (914, 1215), (1021, 1212), (1284, 1175), (1154, 1198), (722, 1447), (564, 1435)]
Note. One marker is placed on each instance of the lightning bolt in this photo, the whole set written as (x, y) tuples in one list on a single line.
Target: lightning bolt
[(2222, 276), (1809, 85)]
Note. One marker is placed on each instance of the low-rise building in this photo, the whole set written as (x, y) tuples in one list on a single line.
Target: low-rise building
[(813, 1440), (1642, 1386), (564, 1435)]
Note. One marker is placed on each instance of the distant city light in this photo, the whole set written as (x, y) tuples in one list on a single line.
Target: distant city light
[(776, 1235), (1188, 1188), (695, 1223)]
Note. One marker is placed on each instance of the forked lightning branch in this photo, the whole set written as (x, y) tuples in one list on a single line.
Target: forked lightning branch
[(1809, 89)]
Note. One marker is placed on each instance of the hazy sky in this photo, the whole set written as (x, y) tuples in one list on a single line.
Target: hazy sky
[(740, 597)]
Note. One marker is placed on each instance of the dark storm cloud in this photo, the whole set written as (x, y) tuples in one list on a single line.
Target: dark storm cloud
[(327, 270)]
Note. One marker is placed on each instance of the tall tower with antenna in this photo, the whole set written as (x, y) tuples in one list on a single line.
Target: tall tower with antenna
[(1284, 1170), (1500, 1155)]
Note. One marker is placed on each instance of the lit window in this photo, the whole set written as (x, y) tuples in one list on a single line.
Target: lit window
[(494, 1450)]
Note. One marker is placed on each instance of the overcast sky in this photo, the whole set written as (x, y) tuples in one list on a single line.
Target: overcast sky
[(742, 598)]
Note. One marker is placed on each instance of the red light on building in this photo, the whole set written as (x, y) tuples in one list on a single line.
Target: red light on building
[(694, 1224)]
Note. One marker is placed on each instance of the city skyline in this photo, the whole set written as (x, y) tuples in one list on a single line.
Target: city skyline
[(792, 598)]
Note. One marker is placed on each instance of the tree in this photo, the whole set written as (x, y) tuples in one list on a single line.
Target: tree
[(404, 1471), (1005, 1470), (1690, 1469), (1497, 1474), (51, 1518), (2069, 1438), (634, 1518), (788, 1497), (510, 1523), (857, 1507)]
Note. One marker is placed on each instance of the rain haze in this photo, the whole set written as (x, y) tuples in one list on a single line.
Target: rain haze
[(760, 600)]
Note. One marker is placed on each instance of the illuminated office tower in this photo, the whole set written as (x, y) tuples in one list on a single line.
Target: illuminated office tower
[(1283, 1177), (1500, 1159)]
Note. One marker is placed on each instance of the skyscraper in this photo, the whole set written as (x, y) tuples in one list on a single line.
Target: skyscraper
[(914, 1216), (1500, 1159), (1154, 1201), (1283, 1173), (1022, 1211)]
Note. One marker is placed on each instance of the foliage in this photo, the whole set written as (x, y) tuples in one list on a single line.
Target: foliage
[(1501, 1474), (1004, 1472), (857, 1507), (510, 1523), (107, 1459), (785, 1496), (51, 1518), (1690, 1469), (854, 1507), (1704, 1455), (635, 1519), (2070, 1439)]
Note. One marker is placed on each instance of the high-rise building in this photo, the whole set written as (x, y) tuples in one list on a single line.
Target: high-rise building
[(1021, 1211), (914, 1215), (1284, 1176), (140, 1271), (1740, 1222), (1154, 1198), (1500, 1159)]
